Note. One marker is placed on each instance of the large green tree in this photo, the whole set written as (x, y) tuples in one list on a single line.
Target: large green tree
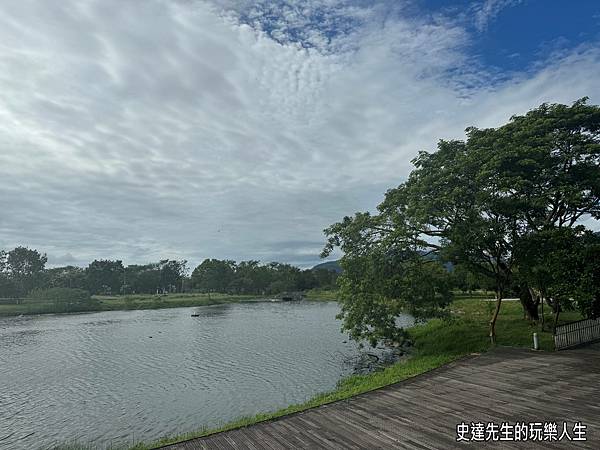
[(24, 268), (545, 166), (213, 275), (66, 277), (472, 203), (105, 277)]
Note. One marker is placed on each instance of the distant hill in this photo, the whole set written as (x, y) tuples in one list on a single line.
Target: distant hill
[(333, 266)]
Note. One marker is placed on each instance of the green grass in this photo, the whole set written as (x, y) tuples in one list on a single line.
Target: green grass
[(128, 302), (321, 295)]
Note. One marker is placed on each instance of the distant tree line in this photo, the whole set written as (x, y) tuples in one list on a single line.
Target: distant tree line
[(23, 273), (251, 277)]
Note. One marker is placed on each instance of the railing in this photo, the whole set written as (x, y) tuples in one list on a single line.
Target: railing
[(577, 333)]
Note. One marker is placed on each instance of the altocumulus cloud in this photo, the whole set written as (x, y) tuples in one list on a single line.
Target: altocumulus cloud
[(232, 129)]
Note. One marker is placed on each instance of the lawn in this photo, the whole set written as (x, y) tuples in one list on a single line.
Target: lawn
[(321, 295), (145, 301)]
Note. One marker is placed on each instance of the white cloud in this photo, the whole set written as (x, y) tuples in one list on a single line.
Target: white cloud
[(488, 10), (149, 129)]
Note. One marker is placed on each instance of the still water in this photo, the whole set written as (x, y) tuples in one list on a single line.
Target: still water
[(114, 378)]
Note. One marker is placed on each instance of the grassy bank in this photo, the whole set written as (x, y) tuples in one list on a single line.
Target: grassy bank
[(128, 302), (145, 301), (321, 295), (435, 344)]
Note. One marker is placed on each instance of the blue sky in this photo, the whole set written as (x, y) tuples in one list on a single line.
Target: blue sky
[(525, 33), (240, 129)]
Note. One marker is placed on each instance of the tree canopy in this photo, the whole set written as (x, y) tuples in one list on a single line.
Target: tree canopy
[(472, 203)]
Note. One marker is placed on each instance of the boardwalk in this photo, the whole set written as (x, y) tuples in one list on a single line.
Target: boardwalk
[(506, 385)]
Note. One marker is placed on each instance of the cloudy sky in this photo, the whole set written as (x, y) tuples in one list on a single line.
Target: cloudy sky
[(147, 129)]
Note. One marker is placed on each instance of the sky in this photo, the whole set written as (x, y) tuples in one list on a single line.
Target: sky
[(188, 129)]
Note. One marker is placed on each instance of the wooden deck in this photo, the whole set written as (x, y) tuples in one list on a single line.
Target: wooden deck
[(506, 385)]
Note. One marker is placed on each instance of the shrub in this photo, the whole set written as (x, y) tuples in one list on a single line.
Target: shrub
[(60, 295)]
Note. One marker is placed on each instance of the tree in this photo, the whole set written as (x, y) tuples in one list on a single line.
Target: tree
[(385, 271), (472, 202), (377, 287), (325, 279), (25, 268), (563, 265), (587, 294), (171, 274), (446, 210), (546, 164), (8, 288), (249, 278), (66, 277), (213, 275), (105, 277)]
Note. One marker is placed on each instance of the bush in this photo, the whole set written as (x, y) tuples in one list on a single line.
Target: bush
[(8, 288), (60, 295), (60, 300)]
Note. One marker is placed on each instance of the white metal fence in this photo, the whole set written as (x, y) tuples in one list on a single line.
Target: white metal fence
[(577, 333)]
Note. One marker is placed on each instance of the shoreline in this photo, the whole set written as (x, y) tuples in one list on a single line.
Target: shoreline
[(145, 302)]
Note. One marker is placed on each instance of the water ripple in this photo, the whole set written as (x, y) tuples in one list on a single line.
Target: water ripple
[(108, 378)]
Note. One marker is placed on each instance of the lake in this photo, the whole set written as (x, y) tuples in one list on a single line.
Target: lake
[(118, 377)]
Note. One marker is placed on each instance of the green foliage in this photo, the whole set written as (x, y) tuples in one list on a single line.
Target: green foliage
[(564, 264), (24, 262), (138, 286), (251, 277), (377, 287), (59, 295), (546, 163), (213, 275), (587, 294), (164, 276), (59, 300), (463, 279), (66, 277), (22, 270), (105, 276), (8, 288), (473, 204)]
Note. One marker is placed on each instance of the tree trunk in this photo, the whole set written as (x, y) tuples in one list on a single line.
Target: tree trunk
[(556, 314), (530, 302), (495, 317), (543, 319)]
